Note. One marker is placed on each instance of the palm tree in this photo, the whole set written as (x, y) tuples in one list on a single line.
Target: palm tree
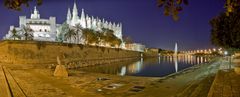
[(62, 30), (70, 34), (14, 34), (27, 33), (78, 28)]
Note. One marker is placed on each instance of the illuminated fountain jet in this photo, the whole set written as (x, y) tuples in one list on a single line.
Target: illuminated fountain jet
[(175, 50)]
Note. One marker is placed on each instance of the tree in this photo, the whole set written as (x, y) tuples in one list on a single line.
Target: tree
[(14, 34), (78, 30), (116, 42), (70, 35), (99, 36), (225, 30), (110, 39), (17, 4), (28, 33), (173, 7), (89, 36), (62, 30)]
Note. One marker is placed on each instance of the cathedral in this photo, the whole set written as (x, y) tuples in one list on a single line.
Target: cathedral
[(42, 29), (90, 22), (48, 30)]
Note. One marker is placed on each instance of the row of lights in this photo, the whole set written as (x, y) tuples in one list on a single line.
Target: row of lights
[(205, 51)]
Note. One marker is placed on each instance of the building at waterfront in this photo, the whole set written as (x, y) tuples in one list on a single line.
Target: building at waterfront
[(41, 29), (91, 22), (135, 47)]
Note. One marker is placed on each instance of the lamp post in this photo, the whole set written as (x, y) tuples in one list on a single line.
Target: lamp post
[(229, 56)]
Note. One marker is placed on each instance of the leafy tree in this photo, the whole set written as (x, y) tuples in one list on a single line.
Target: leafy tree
[(90, 36), (174, 7), (16, 4), (15, 35), (110, 38), (171, 7), (100, 36), (225, 30), (116, 42)]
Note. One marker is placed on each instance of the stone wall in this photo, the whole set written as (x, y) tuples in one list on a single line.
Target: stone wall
[(34, 52)]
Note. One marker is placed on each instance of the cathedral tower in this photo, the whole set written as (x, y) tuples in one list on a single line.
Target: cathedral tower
[(35, 14), (83, 19), (75, 17), (69, 16)]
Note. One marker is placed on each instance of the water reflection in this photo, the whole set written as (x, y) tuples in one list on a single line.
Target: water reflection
[(123, 71), (159, 60), (159, 66), (176, 64), (135, 67)]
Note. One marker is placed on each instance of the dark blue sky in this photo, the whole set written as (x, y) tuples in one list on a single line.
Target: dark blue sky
[(142, 19)]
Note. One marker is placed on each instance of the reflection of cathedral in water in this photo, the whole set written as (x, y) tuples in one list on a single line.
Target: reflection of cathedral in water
[(135, 67)]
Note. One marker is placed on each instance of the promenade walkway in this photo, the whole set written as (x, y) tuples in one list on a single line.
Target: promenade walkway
[(8, 85), (4, 87), (226, 83)]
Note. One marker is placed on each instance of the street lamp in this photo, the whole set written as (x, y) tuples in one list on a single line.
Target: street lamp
[(225, 53)]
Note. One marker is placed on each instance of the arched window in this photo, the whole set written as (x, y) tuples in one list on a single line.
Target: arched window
[(45, 30), (40, 30)]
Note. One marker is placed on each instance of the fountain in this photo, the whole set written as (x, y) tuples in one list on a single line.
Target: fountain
[(175, 50)]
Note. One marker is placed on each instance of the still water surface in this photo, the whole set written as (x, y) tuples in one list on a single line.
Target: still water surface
[(150, 67)]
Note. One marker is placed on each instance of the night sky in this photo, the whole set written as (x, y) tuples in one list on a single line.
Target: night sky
[(142, 19)]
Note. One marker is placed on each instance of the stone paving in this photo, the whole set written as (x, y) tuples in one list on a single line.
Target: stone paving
[(9, 87), (4, 87), (226, 82)]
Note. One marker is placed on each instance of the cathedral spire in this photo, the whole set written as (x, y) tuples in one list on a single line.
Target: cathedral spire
[(75, 10), (75, 6), (74, 15), (83, 19), (69, 16)]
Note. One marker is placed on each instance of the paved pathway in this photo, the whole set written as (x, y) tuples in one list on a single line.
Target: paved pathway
[(4, 87), (226, 83), (15, 88), (8, 85)]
